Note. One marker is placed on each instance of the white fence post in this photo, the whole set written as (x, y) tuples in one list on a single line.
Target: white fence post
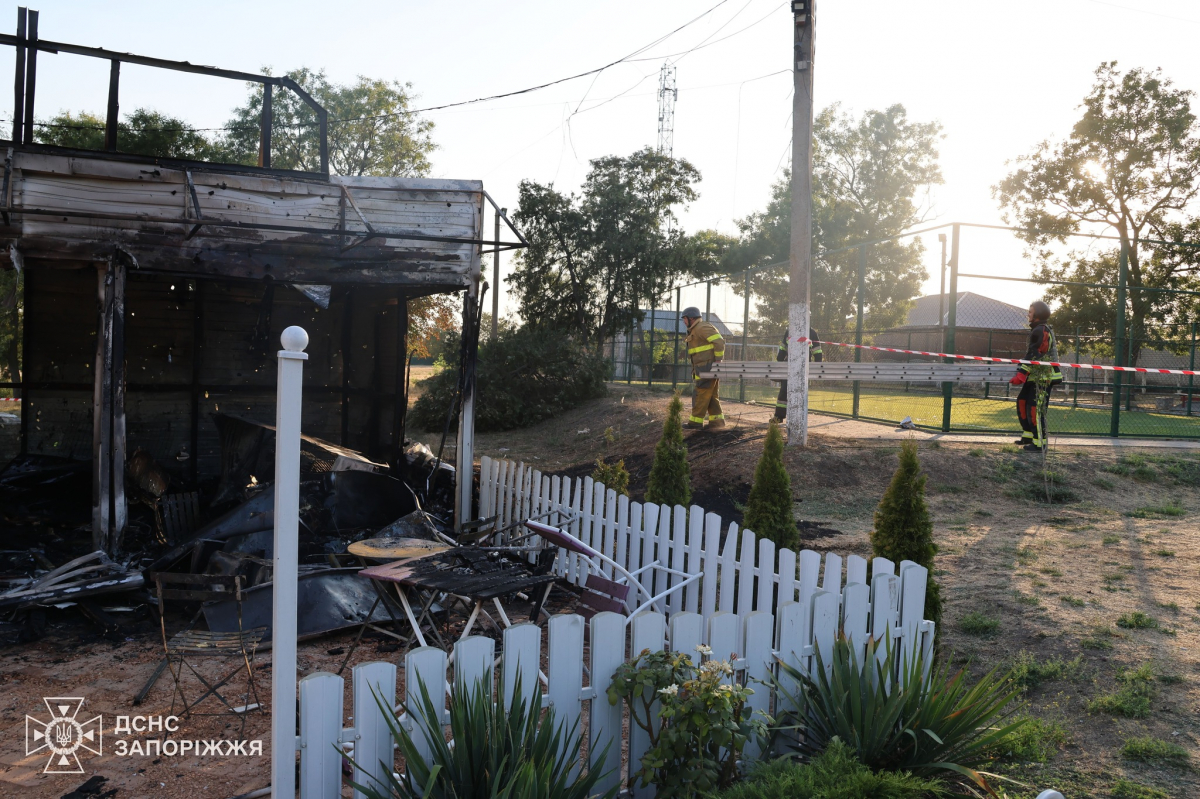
[(374, 685), (286, 566), (320, 735)]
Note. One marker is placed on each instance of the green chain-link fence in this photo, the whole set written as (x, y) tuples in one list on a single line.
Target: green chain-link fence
[(1088, 403)]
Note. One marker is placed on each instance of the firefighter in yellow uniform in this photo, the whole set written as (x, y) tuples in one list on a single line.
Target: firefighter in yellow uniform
[(705, 346)]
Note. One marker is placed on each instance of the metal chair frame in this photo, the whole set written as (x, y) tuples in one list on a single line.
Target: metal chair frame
[(570, 543), (194, 644)]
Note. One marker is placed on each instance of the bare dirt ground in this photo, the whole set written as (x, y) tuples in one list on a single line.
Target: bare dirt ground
[(1048, 585)]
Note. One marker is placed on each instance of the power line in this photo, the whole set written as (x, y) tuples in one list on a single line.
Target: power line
[(488, 98)]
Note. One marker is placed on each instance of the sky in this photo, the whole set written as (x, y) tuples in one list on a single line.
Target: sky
[(999, 77)]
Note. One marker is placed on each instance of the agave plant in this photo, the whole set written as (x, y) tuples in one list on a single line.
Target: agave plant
[(512, 753), (915, 723)]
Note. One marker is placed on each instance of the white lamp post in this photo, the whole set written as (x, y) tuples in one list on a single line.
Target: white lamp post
[(286, 562)]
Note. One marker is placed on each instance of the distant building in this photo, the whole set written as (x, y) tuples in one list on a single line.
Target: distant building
[(982, 326), (971, 311)]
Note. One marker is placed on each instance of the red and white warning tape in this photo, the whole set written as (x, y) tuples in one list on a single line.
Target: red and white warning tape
[(10, 399), (1096, 366)]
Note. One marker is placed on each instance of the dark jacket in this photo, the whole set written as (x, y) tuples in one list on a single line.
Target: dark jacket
[(815, 352), (1043, 346)]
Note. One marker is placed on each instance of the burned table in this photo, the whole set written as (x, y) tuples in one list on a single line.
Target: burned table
[(472, 575)]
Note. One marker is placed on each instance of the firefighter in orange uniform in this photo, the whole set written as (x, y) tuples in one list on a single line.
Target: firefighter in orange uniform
[(705, 346)]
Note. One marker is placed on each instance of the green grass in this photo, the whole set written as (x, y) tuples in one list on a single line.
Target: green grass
[(1073, 601), (976, 413), (1154, 750), (1128, 789), (1132, 698), (1037, 741), (1111, 540), (1165, 553), (1137, 621), (1027, 672), (1169, 510), (977, 623)]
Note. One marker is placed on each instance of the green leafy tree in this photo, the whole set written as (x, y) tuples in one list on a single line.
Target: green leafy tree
[(594, 258), (144, 132), (372, 128), (769, 509), (1130, 166), (903, 529), (670, 477), (871, 179)]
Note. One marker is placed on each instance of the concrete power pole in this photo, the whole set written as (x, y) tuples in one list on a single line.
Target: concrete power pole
[(801, 244)]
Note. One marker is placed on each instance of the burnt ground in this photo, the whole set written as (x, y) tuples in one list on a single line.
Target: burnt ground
[(1045, 584)]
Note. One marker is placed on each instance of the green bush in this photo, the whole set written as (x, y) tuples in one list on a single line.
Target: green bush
[(833, 774), (769, 509), (670, 481), (1154, 750), (613, 475), (903, 529), (1133, 695), (699, 728), (505, 753), (925, 726), (522, 377)]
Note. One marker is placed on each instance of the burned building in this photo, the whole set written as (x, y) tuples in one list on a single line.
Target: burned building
[(155, 291)]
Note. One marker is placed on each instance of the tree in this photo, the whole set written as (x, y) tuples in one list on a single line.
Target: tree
[(903, 529), (670, 481), (871, 180), (593, 258), (144, 132), (1130, 165), (769, 508), (612, 475), (372, 129)]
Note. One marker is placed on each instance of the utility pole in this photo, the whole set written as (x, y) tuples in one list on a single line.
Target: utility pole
[(801, 244), (942, 292), (496, 277)]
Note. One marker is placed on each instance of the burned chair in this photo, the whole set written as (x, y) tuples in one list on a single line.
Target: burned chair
[(190, 645), (599, 593)]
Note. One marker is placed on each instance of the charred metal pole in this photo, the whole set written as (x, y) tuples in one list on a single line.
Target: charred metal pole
[(400, 408), (264, 136), (30, 75), (496, 278), (19, 78), (114, 106)]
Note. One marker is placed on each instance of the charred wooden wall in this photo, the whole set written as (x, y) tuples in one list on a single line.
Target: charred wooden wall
[(198, 347)]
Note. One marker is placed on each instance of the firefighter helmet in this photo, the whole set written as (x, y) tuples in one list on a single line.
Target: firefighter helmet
[(691, 312)]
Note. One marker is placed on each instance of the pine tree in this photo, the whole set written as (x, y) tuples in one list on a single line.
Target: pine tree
[(613, 475), (769, 509), (903, 529), (670, 478)]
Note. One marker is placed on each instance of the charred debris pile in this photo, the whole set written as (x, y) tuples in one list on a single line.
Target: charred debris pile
[(220, 525)]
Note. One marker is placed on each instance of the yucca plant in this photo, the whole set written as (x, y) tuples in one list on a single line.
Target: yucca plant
[(496, 752), (924, 725)]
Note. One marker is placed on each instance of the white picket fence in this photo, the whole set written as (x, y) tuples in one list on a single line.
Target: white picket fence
[(742, 576), (752, 606), (751, 643)]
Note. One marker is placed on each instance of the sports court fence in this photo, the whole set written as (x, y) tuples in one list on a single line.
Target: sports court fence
[(746, 308)]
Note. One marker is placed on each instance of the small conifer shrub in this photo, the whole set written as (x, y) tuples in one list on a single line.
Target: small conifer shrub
[(769, 509), (903, 529), (613, 475), (670, 480)]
